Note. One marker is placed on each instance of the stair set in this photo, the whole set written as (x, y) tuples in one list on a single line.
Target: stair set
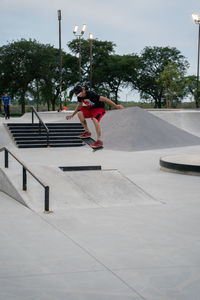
[(34, 135)]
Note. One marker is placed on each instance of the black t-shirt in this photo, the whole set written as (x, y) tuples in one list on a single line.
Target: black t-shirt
[(91, 99)]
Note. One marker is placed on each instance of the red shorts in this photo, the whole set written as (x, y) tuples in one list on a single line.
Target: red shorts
[(96, 113)]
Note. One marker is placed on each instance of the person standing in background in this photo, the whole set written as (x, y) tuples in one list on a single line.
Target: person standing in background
[(6, 100)]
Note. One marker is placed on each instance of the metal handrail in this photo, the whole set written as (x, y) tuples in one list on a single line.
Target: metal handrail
[(40, 122), (24, 175)]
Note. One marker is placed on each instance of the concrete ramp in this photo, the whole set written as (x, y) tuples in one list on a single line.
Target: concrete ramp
[(9, 188), (109, 188), (5, 139), (188, 120), (79, 189), (134, 129), (90, 189)]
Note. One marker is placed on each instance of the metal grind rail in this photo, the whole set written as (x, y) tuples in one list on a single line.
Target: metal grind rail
[(40, 123), (24, 177)]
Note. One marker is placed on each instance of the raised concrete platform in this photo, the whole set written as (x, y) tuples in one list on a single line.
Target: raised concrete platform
[(187, 163)]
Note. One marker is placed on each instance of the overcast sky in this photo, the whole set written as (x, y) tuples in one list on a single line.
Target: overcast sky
[(130, 24)]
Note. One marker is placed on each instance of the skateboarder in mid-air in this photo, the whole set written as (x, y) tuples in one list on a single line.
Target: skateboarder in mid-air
[(94, 108)]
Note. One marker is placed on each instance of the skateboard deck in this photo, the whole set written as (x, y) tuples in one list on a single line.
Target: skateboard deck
[(89, 141)]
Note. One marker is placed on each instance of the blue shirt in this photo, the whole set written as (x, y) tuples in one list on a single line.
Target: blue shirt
[(6, 100)]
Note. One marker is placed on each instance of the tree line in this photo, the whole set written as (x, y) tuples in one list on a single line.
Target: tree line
[(30, 70)]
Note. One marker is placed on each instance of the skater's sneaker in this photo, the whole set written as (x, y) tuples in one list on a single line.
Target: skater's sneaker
[(85, 135), (97, 144)]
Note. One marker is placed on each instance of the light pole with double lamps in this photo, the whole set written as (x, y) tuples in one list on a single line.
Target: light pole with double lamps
[(90, 40), (60, 61), (79, 37), (196, 19)]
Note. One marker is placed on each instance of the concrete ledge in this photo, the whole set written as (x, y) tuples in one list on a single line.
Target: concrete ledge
[(185, 164), (80, 168)]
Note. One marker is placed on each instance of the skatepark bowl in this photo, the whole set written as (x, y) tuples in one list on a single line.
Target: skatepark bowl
[(121, 223)]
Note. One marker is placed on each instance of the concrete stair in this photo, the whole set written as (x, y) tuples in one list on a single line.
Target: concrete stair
[(27, 135)]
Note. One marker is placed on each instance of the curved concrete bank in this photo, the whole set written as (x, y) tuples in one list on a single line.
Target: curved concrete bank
[(185, 119), (188, 164), (134, 129)]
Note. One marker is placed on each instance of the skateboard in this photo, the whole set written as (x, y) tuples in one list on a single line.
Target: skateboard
[(89, 141)]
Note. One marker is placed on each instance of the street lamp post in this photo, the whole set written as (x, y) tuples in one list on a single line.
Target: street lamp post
[(79, 37), (60, 61), (197, 21), (90, 39)]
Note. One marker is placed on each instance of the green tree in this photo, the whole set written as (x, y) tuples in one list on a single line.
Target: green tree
[(153, 61), (117, 71), (50, 77), (191, 87), (28, 67), (19, 66), (173, 83)]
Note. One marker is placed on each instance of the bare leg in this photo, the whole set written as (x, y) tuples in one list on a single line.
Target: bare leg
[(83, 121), (98, 128)]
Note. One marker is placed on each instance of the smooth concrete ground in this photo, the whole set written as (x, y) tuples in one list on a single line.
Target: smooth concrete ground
[(146, 247)]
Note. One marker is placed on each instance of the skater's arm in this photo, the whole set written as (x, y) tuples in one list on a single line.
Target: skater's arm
[(75, 111), (110, 102)]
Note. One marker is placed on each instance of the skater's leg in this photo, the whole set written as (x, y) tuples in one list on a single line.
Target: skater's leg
[(98, 128), (83, 121)]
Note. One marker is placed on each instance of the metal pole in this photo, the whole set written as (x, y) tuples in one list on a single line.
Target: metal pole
[(24, 186), (60, 60), (39, 127), (197, 98), (80, 79), (90, 63), (32, 117), (47, 139), (6, 158), (46, 200)]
